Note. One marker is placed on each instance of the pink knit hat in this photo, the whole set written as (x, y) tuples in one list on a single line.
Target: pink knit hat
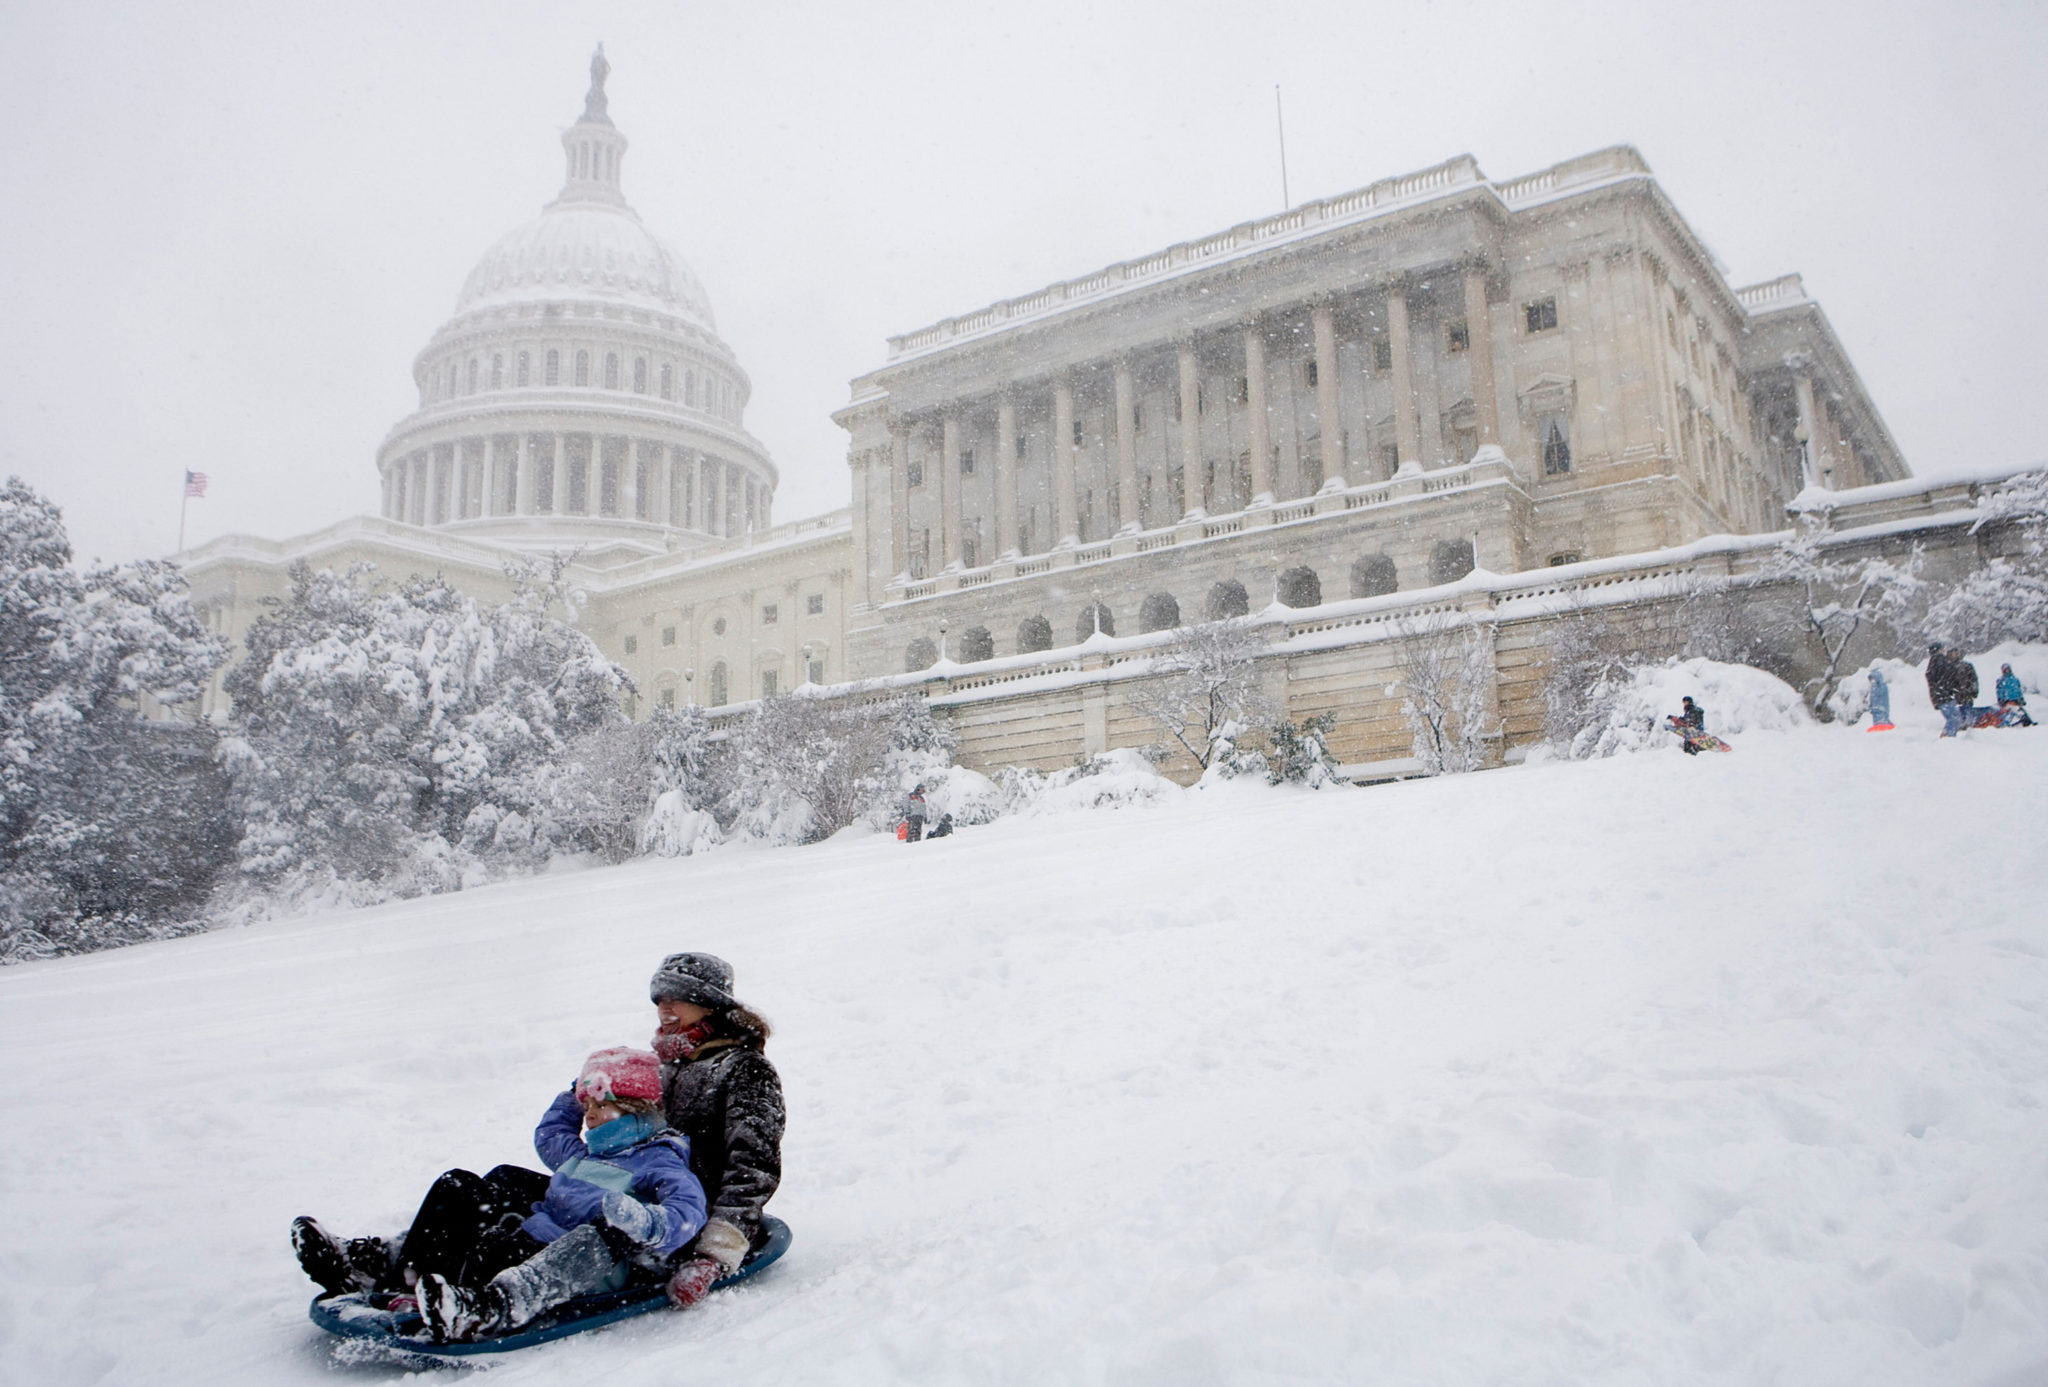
[(620, 1072)]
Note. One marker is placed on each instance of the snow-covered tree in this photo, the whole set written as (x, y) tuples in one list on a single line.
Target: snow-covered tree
[(1446, 671), (1301, 752), (799, 768), (109, 826), (1205, 691), (1840, 595), (2007, 598), (606, 783), (379, 728)]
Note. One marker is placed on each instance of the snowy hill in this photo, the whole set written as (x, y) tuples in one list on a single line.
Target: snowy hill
[(1645, 1070)]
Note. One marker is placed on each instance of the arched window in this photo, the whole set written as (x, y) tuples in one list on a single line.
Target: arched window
[(639, 375), (472, 375), (1159, 612), (1374, 576), (1033, 633), (525, 369), (611, 370), (1227, 599), (583, 368), (921, 654), (690, 389), (718, 685), (668, 381), (977, 643), (1094, 617), (1300, 587), (1557, 449), (449, 392), (1450, 560), (554, 367), (497, 373)]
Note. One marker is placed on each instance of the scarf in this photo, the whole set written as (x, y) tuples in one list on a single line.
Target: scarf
[(682, 1045), (621, 1132)]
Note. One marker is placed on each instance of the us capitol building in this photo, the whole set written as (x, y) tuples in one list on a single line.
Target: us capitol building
[(1338, 411)]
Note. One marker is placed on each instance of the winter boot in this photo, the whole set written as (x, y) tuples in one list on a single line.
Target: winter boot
[(327, 1261), (456, 1314)]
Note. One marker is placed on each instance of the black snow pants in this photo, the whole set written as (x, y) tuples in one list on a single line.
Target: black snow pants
[(467, 1229), (916, 829)]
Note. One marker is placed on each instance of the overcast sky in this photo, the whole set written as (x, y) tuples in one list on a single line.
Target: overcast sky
[(225, 229)]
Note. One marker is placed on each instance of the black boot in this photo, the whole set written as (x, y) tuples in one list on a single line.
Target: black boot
[(325, 1259)]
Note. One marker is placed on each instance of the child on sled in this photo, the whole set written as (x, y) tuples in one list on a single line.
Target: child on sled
[(489, 1254)]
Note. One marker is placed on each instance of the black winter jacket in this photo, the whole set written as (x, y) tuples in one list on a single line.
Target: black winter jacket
[(727, 1099)]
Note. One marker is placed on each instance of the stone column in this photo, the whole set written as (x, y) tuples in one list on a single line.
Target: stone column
[(1128, 513), (1479, 351), (1407, 435), (1066, 513), (436, 490), (946, 487), (522, 477), (863, 561), (1809, 424), (1194, 483), (1256, 413), (899, 495), (558, 484), (1004, 477), (663, 478), (629, 481), (1329, 414)]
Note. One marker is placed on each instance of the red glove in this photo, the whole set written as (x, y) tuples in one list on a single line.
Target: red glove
[(692, 1281)]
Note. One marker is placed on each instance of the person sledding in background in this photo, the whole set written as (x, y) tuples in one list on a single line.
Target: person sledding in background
[(488, 1254), (914, 814), (719, 1090), (2012, 699), (1880, 703), (943, 828), (1691, 724)]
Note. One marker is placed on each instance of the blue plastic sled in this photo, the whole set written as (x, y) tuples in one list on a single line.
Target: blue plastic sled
[(353, 1317)]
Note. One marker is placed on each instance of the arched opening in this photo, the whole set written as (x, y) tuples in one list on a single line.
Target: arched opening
[(611, 370), (920, 654), (472, 375), (1094, 617), (525, 377), (1227, 599), (1033, 633), (497, 373), (554, 367), (1159, 612), (639, 375), (1301, 587), (1450, 560), (718, 685), (977, 643), (1374, 576), (668, 381), (583, 368)]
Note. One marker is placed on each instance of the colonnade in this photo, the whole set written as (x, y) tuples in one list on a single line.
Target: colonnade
[(943, 429), (575, 474)]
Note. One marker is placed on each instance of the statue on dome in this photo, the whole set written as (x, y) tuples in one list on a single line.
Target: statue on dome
[(594, 103)]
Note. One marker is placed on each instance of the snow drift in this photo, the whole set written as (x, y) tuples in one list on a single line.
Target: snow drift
[(1737, 698)]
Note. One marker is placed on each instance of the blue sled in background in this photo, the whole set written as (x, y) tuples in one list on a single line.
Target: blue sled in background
[(404, 1333)]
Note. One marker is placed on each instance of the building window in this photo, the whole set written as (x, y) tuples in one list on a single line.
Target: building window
[(1458, 338), (668, 635), (1094, 617), (525, 369), (611, 370), (767, 683), (690, 389), (915, 472), (1390, 457), (1034, 633), (668, 698), (1020, 447), (632, 644), (639, 375), (497, 373), (1557, 448), (582, 368), (554, 367), (668, 381), (1227, 599), (967, 462), (472, 375), (1450, 560), (814, 605), (1671, 327), (1560, 560), (1301, 587), (1137, 416), (1312, 377), (919, 654), (970, 551), (1077, 433), (1159, 612), (1374, 576), (718, 684), (977, 643), (1383, 353), (1541, 315), (718, 627), (815, 671), (768, 614)]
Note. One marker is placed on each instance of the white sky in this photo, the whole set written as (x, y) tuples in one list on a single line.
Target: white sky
[(225, 229)]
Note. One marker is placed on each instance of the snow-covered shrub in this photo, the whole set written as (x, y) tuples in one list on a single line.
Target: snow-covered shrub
[(1446, 667), (112, 828), (1841, 595), (1301, 752), (1106, 780), (675, 829), (1206, 687), (800, 768), (2007, 598), (1737, 699)]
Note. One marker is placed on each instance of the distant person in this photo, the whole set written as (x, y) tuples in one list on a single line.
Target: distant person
[(914, 813), (2012, 699), (1941, 687), (1695, 715), (1691, 722), (1880, 703), (943, 828)]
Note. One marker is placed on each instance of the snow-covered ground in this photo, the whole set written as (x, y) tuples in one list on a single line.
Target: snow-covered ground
[(1646, 1070)]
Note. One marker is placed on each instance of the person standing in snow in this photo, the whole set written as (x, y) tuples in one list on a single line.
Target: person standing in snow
[(1880, 701), (2012, 698), (721, 1092), (1941, 687), (914, 812)]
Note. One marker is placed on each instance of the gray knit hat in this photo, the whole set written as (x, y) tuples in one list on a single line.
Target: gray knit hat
[(701, 979)]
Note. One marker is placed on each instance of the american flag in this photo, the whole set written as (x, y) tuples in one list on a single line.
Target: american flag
[(195, 484)]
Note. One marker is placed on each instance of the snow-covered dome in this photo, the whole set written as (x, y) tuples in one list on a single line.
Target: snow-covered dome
[(585, 250)]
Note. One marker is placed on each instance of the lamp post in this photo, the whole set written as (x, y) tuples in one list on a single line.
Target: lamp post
[(942, 639), (689, 693)]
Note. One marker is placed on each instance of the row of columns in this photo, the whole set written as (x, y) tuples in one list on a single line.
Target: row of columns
[(1066, 518), (469, 478)]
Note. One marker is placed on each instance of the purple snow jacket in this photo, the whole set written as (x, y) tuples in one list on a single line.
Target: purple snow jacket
[(655, 1171)]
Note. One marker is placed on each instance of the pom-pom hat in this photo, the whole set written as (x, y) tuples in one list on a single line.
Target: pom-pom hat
[(620, 1072), (703, 980)]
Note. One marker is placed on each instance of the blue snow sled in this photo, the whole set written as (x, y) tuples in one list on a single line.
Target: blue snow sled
[(404, 1333)]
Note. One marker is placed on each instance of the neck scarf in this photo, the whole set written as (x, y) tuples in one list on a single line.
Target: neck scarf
[(628, 1129), (679, 1047)]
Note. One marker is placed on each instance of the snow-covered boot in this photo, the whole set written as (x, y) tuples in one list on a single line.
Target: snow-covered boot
[(327, 1261), (578, 1263), (456, 1314)]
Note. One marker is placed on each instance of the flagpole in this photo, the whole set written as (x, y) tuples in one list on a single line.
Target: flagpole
[(183, 505)]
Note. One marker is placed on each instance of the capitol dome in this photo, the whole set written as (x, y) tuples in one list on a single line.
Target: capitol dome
[(580, 395)]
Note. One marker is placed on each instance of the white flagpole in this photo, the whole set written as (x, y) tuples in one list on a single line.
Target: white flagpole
[(184, 502)]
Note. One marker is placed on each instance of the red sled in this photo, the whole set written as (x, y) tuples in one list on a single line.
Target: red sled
[(1880, 727), (903, 831)]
